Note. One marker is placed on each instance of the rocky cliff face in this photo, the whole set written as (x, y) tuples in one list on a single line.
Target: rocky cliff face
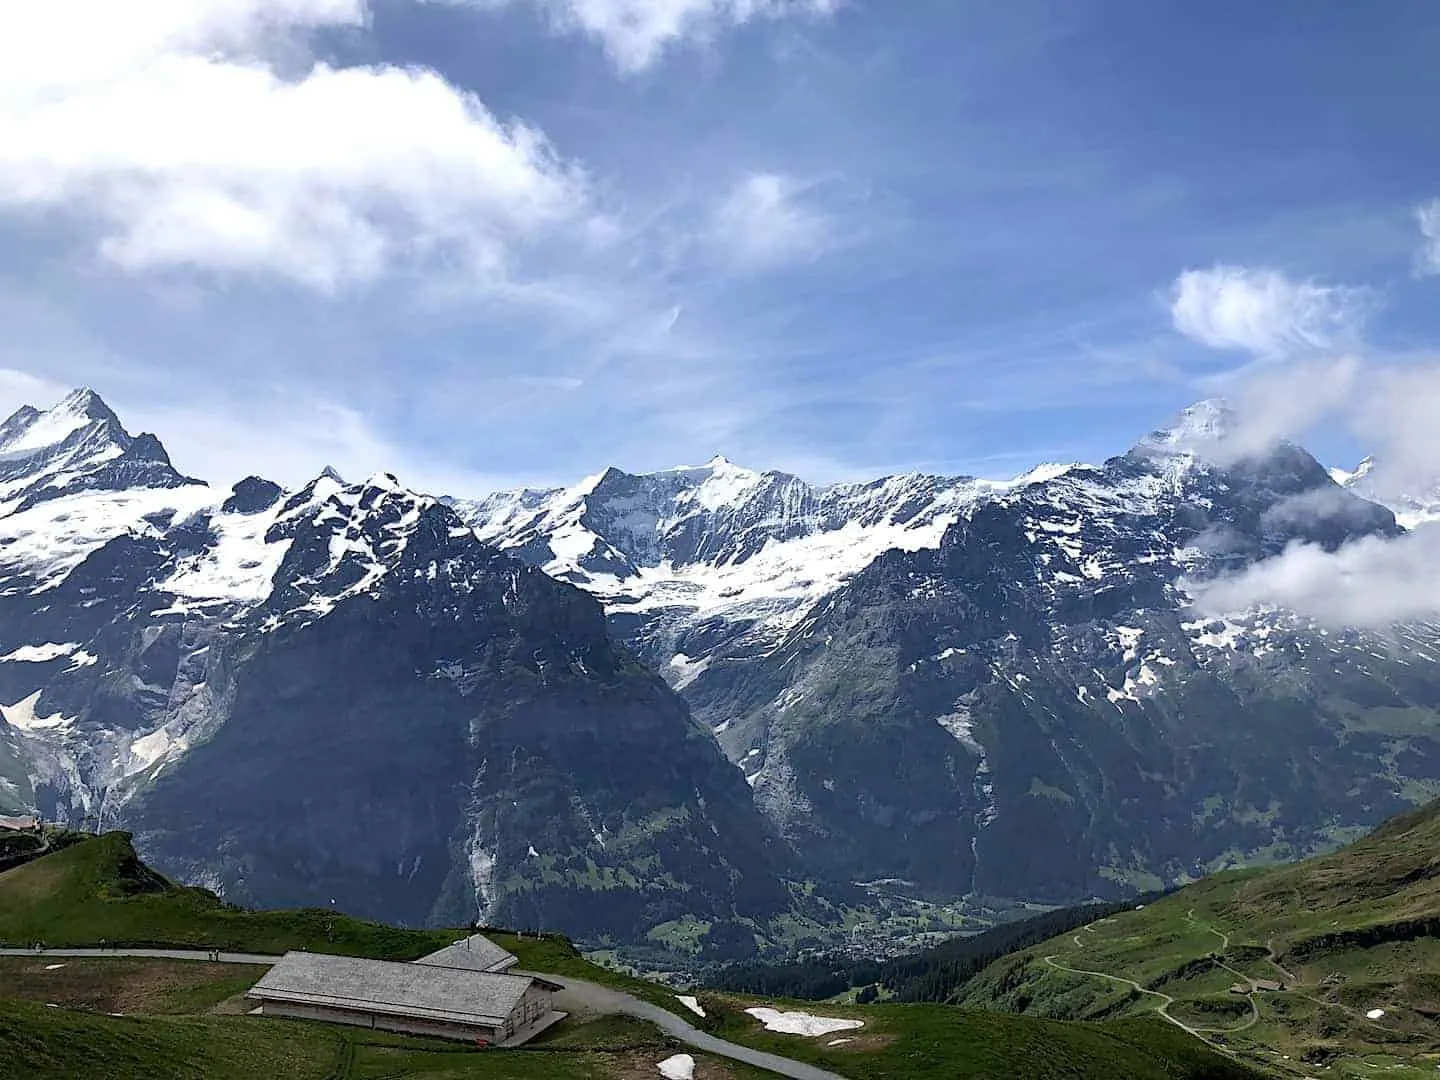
[(341, 693), (1026, 703)]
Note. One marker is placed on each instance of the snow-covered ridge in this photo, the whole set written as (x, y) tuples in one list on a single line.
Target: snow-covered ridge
[(235, 541), (721, 540)]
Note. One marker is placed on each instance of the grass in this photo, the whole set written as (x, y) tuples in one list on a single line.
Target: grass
[(41, 1043), (98, 889), (938, 1042), (1356, 930), (124, 985)]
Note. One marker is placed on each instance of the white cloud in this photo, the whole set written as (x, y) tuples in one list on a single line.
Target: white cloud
[(636, 33), (1270, 403), (1396, 415), (1428, 218), (1265, 313), (1372, 582), (200, 133), (765, 221)]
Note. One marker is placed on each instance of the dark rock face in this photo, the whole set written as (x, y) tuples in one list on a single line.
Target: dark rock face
[(251, 496), (465, 739)]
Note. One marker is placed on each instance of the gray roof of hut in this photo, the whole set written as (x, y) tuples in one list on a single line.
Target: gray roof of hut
[(380, 986), (474, 953)]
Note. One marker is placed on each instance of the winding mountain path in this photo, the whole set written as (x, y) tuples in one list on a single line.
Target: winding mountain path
[(1163, 1009), (578, 996), (1165, 999)]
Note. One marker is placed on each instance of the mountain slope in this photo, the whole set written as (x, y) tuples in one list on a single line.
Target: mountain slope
[(1343, 935), (341, 693), (698, 565), (1021, 699)]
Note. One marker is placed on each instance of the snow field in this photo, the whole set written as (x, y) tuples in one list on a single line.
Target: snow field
[(802, 1023)]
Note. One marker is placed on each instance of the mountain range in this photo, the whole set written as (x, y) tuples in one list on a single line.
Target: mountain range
[(1002, 689), (685, 698), (340, 695)]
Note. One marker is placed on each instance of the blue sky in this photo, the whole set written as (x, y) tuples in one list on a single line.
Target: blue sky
[(484, 243)]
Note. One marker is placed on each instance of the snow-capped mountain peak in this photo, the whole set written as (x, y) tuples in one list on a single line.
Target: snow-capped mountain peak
[(77, 445), (1413, 496), (1354, 477), (1196, 430), (30, 431)]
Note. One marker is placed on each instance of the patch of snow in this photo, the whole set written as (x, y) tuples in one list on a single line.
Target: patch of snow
[(239, 566), (691, 1003), (531, 853), (686, 671), (726, 483), (961, 727), (149, 749), (1374, 1014), (802, 1023), (53, 967), (53, 537), (1141, 684), (838, 1042), (1130, 640), (48, 429), (22, 715), (679, 1067), (39, 654)]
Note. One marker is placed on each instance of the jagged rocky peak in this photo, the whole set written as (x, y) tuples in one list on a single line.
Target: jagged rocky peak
[(30, 431), (1354, 477), (252, 496), (75, 446)]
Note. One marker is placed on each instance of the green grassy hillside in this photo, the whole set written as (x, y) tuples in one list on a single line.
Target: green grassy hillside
[(98, 889), (1343, 935)]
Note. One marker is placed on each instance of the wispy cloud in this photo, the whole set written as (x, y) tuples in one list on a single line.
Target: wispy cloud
[(1286, 401), (290, 440), (1428, 218), (637, 33), (769, 219), (199, 134), (1263, 312)]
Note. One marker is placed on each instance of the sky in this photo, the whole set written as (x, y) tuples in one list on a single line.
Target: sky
[(487, 243)]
